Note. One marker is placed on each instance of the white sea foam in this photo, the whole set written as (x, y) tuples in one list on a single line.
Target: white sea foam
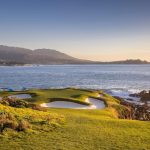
[(125, 94)]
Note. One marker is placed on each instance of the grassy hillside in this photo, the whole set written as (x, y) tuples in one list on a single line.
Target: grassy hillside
[(82, 129)]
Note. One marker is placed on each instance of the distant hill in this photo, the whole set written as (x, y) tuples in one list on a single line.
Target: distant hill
[(128, 61), (17, 55), (21, 56)]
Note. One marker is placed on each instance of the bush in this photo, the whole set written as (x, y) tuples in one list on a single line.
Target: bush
[(23, 125), (14, 102), (7, 120), (36, 107), (18, 103)]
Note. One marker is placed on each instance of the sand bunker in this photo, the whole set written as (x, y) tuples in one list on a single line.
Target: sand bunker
[(20, 96), (95, 104)]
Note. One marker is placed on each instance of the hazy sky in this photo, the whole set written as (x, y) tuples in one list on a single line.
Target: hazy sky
[(92, 29)]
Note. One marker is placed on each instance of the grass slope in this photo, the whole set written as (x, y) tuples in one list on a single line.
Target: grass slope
[(83, 129)]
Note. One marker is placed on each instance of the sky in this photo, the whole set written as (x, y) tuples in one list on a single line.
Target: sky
[(103, 30)]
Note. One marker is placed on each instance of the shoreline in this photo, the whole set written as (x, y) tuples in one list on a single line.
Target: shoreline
[(92, 64)]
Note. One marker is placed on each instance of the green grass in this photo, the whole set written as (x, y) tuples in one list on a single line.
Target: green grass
[(82, 129), (48, 95)]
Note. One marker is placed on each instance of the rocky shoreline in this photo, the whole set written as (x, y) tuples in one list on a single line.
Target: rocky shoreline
[(137, 111)]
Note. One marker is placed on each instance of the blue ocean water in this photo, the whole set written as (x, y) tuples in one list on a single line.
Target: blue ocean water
[(133, 77)]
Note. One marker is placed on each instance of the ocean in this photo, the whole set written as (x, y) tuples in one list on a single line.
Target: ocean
[(110, 77)]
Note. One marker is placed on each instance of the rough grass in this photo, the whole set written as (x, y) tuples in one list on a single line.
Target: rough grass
[(83, 129), (26, 115)]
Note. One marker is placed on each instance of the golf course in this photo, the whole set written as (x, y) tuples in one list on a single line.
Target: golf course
[(33, 121)]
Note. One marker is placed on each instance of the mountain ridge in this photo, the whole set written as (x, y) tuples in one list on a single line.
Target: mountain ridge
[(21, 56)]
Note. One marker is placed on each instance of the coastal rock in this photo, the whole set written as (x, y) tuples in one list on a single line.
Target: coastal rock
[(145, 96), (134, 111), (134, 95)]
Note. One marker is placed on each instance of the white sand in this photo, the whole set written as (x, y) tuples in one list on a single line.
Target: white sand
[(95, 104), (20, 96)]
